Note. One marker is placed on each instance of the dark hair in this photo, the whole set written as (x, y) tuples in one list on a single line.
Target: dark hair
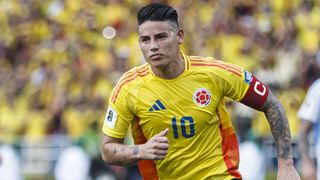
[(157, 12)]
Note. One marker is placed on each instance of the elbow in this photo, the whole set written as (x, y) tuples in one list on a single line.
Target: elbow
[(105, 155), (109, 150), (304, 130), (107, 159)]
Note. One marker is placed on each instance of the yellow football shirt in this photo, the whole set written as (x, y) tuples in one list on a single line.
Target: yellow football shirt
[(202, 141)]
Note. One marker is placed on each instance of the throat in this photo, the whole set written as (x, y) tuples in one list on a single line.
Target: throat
[(171, 71)]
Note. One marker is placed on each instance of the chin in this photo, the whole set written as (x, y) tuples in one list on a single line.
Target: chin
[(158, 64)]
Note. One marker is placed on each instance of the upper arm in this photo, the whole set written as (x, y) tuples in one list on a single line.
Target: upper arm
[(240, 85), (118, 115), (108, 139), (108, 146), (258, 96)]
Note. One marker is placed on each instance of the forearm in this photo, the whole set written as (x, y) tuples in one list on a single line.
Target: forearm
[(279, 126), (305, 128), (116, 153), (120, 154), (304, 149)]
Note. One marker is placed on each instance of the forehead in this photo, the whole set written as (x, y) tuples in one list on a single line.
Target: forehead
[(150, 28)]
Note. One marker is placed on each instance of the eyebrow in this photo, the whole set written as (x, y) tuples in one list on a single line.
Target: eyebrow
[(158, 34), (162, 33)]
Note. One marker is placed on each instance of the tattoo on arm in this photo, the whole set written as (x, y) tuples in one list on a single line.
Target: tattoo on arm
[(114, 151), (135, 150), (279, 125), (117, 152)]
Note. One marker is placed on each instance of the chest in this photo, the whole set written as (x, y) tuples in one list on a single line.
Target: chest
[(186, 105)]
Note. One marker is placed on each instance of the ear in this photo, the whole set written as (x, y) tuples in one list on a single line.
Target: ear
[(180, 36)]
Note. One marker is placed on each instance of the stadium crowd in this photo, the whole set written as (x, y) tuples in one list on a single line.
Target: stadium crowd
[(59, 60)]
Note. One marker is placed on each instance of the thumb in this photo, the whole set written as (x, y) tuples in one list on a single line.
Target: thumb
[(163, 133)]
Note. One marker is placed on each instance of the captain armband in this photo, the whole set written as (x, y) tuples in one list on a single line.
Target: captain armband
[(256, 94)]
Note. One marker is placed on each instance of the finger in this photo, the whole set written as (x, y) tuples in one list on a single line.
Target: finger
[(166, 131), (159, 157), (162, 133), (161, 139), (162, 146), (161, 152)]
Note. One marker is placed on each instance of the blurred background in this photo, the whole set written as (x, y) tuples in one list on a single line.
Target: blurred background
[(59, 60)]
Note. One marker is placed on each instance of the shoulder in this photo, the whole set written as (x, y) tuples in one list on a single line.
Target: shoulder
[(134, 75), (130, 79), (200, 59), (137, 71), (213, 65), (315, 84), (314, 89)]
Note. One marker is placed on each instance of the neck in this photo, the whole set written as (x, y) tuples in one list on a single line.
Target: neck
[(172, 70)]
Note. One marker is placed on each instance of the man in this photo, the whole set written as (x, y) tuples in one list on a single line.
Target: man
[(175, 106), (309, 113)]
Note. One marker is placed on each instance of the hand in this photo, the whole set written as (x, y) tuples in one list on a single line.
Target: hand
[(156, 148), (308, 171), (287, 171)]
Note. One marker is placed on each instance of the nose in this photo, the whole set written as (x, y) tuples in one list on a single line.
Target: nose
[(154, 46)]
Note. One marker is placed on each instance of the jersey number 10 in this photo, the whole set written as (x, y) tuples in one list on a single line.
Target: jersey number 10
[(183, 121)]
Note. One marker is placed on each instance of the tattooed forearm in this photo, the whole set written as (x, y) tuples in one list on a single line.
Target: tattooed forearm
[(114, 152), (278, 122), (122, 154)]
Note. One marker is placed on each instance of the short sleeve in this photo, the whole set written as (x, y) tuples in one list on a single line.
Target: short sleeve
[(310, 108), (232, 80), (240, 85), (118, 116)]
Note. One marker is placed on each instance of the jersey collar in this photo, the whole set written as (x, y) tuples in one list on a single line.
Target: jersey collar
[(186, 64)]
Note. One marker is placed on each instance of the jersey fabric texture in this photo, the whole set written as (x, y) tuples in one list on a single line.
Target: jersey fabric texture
[(310, 111), (202, 141)]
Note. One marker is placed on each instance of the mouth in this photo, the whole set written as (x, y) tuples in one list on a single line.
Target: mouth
[(155, 56)]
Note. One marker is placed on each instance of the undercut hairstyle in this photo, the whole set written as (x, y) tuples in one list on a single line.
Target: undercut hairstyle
[(158, 12)]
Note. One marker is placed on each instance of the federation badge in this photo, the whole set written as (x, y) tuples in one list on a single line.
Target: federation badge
[(247, 77), (111, 117), (202, 97)]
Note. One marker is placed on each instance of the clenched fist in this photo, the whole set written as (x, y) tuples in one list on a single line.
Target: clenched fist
[(156, 148)]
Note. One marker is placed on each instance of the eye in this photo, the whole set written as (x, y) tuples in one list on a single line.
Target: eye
[(144, 40), (162, 36)]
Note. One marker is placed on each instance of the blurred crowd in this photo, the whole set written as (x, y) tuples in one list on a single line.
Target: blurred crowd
[(59, 59)]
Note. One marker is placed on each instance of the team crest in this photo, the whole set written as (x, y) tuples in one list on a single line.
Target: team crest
[(202, 97)]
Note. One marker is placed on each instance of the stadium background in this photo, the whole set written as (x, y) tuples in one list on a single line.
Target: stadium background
[(59, 60)]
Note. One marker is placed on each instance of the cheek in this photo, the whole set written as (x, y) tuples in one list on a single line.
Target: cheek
[(144, 48), (169, 45), (173, 46)]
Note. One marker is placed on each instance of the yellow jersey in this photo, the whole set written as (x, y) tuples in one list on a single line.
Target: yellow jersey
[(202, 141)]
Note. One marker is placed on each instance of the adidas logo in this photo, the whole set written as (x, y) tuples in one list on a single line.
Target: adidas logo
[(157, 106)]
